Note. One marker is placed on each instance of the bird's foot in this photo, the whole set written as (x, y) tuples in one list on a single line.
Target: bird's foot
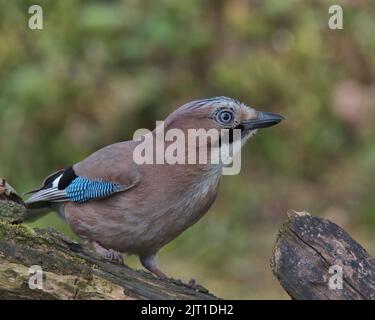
[(109, 254), (149, 262), (160, 274)]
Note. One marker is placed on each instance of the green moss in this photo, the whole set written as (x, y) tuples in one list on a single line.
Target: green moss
[(11, 211), (18, 233)]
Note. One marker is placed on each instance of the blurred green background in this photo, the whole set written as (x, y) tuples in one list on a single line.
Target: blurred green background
[(101, 69)]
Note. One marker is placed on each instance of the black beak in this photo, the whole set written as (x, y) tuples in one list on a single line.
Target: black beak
[(264, 120)]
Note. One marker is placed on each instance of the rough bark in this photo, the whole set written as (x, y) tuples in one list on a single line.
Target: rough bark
[(70, 270), (305, 250)]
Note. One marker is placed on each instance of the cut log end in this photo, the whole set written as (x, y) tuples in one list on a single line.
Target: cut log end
[(311, 254)]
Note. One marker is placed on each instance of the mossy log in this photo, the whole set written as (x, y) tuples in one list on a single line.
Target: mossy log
[(314, 258), (70, 270)]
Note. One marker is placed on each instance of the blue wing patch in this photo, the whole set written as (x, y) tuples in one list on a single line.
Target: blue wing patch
[(65, 185), (82, 189)]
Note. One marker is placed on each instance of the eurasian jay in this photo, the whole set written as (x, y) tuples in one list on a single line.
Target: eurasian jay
[(121, 206)]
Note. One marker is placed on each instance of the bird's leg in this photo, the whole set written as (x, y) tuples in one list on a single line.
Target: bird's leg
[(108, 253), (149, 262)]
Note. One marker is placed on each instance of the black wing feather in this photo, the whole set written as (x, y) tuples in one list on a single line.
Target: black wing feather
[(47, 183), (68, 176)]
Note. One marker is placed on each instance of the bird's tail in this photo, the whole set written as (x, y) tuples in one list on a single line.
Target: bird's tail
[(36, 210), (33, 214)]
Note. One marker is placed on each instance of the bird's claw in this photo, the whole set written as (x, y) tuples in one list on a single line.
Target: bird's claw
[(114, 256), (109, 254)]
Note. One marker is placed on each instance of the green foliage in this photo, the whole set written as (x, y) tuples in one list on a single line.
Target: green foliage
[(101, 69)]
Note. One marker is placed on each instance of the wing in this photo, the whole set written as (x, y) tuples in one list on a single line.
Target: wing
[(104, 173), (65, 185)]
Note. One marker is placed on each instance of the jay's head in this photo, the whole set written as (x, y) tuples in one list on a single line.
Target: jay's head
[(221, 113)]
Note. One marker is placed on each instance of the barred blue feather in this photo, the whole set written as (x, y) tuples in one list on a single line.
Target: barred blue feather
[(82, 189)]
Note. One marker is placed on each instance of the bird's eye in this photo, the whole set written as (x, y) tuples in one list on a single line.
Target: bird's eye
[(225, 117)]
